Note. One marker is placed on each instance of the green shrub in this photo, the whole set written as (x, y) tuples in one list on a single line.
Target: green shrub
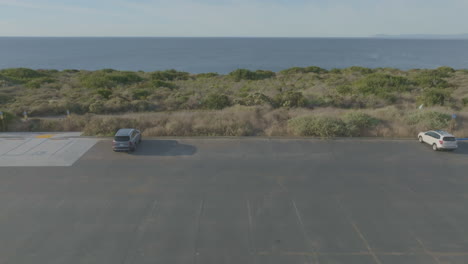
[(108, 78), (124, 77), (357, 123), (244, 74), (36, 83), (140, 94), (317, 126), (206, 75), (429, 120), (169, 75), (6, 98), (71, 71), (255, 99), (445, 71), (434, 78), (21, 75), (296, 70), (216, 101), (8, 118), (434, 96), (162, 84), (382, 85), (464, 101), (344, 89), (336, 71), (290, 99), (358, 69), (105, 93)]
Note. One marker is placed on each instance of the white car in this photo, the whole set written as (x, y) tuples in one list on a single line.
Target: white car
[(438, 139)]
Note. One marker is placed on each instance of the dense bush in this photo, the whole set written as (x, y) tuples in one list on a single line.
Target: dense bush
[(358, 69), (317, 126), (255, 99), (444, 71), (36, 83), (290, 99), (382, 85), (358, 123), (434, 96), (7, 119), (434, 78), (169, 75), (244, 74), (21, 75), (140, 94), (108, 78), (162, 84), (296, 70), (464, 101), (5, 98), (105, 93), (429, 120), (71, 71), (206, 75), (216, 101)]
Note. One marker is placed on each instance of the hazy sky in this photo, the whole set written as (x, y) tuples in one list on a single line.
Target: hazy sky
[(276, 18)]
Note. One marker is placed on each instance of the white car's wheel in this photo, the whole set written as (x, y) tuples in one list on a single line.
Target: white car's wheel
[(434, 147), (421, 140)]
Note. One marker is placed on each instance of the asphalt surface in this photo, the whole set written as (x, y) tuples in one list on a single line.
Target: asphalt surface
[(241, 201)]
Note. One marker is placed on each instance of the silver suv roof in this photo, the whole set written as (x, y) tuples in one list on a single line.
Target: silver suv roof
[(443, 133), (124, 132)]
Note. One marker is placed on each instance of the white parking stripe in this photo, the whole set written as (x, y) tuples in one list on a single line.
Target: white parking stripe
[(7, 145), (25, 147)]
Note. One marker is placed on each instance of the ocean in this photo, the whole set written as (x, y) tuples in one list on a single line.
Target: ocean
[(222, 55)]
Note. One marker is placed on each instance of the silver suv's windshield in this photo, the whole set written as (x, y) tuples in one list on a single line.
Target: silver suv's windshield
[(449, 139)]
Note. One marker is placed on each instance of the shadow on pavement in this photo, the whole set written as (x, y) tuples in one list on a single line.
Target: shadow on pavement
[(153, 147), (462, 148)]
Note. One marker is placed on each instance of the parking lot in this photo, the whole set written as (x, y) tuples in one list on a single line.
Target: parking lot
[(239, 200)]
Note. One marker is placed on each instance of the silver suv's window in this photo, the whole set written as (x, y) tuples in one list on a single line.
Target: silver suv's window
[(122, 138), (449, 139)]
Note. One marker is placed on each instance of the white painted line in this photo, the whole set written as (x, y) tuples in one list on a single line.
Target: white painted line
[(25, 147), (7, 145)]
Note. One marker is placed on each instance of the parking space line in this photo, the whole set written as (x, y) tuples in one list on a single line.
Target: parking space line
[(64, 146), (28, 140)]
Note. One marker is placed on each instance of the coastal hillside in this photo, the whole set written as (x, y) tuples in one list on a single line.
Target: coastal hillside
[(308, 101)]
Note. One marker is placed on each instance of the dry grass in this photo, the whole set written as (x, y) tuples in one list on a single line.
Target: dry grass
[(239, 121)]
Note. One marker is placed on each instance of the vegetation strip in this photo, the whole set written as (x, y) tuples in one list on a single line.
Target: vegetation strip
[(300, 101)]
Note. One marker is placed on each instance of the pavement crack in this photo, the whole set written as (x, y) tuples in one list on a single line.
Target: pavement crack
[(137, 231), (197, 233), (304, 232), (251, 233), (360, 234), (435, 258)]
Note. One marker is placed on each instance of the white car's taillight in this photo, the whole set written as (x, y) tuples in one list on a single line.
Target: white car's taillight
[(441, 142)]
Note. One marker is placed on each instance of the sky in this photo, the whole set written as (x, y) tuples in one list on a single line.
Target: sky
[(232, 18)]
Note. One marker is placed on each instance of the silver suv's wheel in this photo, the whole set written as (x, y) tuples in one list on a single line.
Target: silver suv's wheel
[(434, 147), (420, 140)]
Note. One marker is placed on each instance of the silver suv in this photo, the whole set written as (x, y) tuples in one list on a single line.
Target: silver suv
[(126, 139), (438, 139)]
